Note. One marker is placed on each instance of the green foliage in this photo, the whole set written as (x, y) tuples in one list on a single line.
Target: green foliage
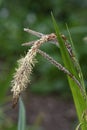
[(79, 99), (22, 116)]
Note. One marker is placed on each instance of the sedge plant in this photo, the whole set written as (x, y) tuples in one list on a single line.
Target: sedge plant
[(71, 68)]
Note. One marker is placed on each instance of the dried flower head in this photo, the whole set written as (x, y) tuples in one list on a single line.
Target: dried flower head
[(25, 65)]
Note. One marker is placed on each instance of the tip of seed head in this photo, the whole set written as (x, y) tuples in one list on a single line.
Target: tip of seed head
[(26, 29)]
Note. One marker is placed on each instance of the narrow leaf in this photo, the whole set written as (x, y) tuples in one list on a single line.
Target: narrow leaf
[(76, 60), (22, 117), (80, 102)]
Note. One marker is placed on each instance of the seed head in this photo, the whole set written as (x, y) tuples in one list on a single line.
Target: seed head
[(22, 75)]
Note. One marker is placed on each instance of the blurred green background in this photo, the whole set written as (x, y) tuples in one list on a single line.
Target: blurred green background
[(17, 14)]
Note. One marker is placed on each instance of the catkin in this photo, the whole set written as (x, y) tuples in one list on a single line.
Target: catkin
[(25, 65)]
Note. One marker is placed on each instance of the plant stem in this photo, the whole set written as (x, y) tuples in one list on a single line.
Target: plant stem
[(62, 68)]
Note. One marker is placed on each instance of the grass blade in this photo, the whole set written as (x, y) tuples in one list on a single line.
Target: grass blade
[(80, 102), (75, 59), (22, 118)]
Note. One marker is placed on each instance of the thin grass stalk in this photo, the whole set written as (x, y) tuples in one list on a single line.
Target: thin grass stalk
[(62, 68)]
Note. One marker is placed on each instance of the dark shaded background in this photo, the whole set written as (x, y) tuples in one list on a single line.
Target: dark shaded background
[(46, 79)]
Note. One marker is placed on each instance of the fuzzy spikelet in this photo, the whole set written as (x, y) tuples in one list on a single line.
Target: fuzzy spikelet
[(22, 75)]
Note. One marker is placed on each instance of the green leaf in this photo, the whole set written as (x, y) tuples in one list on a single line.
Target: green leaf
[(78, 126), (80, 102), (76, 60), (22, 117)]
